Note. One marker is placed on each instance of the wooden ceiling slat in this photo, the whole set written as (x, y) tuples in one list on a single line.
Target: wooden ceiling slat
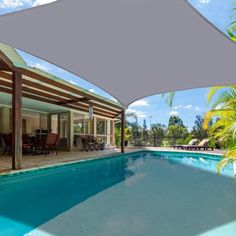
[(73, 101), (86, 107), (57, 99), (43, 99)]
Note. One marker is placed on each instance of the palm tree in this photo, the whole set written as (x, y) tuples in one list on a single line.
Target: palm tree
[(232, 27), (169, 98), (224, 128)]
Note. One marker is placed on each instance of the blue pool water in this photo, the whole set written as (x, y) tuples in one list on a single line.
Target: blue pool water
[(144, 193)]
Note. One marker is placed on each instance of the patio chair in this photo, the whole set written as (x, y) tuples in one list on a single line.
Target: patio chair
[(87, 144), (47, 145), (202, 145), (191, 142), (7, 138), (101, 144), (26, 144)]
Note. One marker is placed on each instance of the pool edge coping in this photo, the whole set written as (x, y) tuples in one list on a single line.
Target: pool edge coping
[(19, 172)]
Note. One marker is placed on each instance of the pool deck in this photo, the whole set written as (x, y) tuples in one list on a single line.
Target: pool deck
[(38, 161)]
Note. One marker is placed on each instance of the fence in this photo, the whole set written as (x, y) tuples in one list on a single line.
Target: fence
[(154, 142)]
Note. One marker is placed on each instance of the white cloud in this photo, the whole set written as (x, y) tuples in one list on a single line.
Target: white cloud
[(39, 66), (177, 107), (138, 113), (41, 2), (72, 82), (188, 107), (174, 113), (13, 4), (16, 4), (114, 99), (139, 103), (92, 90), (204, 1), (220, 106)]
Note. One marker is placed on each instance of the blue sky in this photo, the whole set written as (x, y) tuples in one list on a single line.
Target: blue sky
[(187, 104)]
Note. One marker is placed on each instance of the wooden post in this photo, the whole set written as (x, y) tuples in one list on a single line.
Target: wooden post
[(95, 126), (71, 130), (16, 120), (123, 131)]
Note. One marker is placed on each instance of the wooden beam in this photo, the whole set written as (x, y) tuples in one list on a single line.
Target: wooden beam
[(45, 97), (5, 75), (16, 120), (94, 104), (4, 66), (76, 100), (42, 99), (123, 131), (6, 60)]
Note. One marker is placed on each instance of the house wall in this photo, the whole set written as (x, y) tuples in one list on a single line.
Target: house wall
[(70, 124), (97, 126)]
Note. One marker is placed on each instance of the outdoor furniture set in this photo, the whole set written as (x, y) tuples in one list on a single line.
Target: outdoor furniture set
[(33, 145), (192, 145), (91, 143)]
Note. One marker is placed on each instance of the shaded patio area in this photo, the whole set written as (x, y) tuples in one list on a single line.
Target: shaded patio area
[(37, 161)]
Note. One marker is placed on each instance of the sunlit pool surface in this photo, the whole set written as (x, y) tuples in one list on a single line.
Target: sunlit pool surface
[(144, 193)]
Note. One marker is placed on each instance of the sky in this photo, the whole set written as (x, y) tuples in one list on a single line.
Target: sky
[(187, 104)]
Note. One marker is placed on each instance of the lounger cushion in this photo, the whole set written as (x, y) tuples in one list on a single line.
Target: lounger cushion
[(204, 142), (193, 142)]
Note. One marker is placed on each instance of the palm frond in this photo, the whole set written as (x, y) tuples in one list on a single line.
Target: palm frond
[(212, 92), (225, 98), (169, 98), (229, 157)]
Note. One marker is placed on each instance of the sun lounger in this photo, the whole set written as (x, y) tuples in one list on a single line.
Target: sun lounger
[(192, 142), (202, 145)]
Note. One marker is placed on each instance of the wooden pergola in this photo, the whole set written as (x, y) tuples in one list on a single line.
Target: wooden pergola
[(20, 80)]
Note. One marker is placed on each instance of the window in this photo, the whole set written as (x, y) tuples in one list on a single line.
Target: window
[(54, 124), (78, 123), (82, 124), (101, 126)]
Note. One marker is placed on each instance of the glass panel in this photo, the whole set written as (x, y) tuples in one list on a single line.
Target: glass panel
[(24, 130), (78, 123), (43, 121), (30, 122), (54, 124), (64, 129), (91, 124), (101, 126), (86, 124), (111, 127), (102, 138)]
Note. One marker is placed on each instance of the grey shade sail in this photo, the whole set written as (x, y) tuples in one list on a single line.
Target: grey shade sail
[(129, 48)]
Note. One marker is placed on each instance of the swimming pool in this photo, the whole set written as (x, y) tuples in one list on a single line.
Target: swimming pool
[(143, 193)]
